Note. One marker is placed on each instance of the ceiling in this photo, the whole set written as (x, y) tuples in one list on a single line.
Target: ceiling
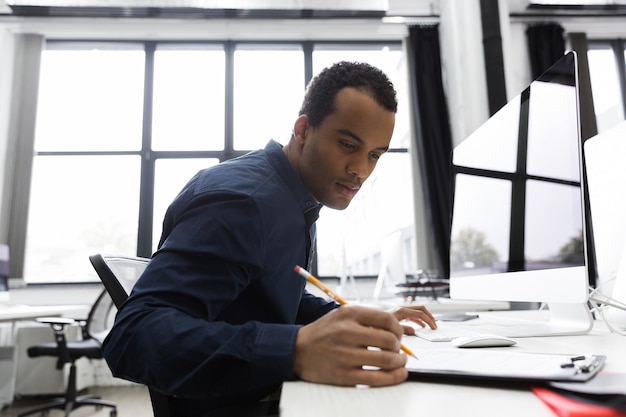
[(218, 8), (320, 9)]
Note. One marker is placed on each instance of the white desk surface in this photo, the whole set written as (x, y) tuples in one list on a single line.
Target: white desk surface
[(25, 312), (411, 398), (441, 305)]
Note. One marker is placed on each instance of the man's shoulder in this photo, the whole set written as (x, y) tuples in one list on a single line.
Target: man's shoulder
[(242, 173)]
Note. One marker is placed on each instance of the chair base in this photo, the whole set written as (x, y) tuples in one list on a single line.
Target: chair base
[(61, 403)]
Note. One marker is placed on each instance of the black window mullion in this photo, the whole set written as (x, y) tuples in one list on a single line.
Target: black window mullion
[(146, 189), (517, 235), (229, 83), (307, 48)]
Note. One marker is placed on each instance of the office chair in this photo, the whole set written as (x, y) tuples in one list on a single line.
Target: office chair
[(93, 331), (119, 274)]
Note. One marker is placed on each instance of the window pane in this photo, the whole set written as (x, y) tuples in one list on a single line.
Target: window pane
[(90, 100), (383, 208), (381, 217), (607, 101), (268, 90), (552, 132), (481, 245), (549, 204), (188, 109), (171, 175), (80, 205), (500, 136)]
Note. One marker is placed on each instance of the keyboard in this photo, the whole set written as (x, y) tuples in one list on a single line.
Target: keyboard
[(445, 333)]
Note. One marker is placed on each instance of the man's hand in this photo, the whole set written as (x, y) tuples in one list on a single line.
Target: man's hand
[(417, 314), (335, 348)]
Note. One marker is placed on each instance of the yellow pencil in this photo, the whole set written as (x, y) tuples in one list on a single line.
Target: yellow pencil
[(319, 284)]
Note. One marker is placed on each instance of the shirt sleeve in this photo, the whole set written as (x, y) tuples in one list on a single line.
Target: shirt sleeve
[(171, 335), (313, 307)]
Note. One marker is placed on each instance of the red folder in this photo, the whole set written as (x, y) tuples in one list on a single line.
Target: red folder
[(563, 406)]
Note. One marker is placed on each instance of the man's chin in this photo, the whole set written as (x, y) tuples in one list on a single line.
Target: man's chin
[(338, 204)]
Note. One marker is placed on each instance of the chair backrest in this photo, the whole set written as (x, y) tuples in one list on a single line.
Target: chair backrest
[(101, 317), (119, 274)]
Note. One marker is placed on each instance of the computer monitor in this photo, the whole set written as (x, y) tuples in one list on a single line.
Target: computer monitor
[(605, 154), (518, 228)]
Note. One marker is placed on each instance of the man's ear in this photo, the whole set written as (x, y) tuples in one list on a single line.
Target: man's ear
[(300, 128)]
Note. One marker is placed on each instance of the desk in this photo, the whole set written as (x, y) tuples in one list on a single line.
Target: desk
[(14, 313), (302, 399)]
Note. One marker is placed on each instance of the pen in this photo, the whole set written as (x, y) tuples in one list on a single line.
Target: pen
[(319, 284)]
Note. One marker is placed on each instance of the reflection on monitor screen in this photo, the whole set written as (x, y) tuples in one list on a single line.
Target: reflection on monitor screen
[(518, 229)]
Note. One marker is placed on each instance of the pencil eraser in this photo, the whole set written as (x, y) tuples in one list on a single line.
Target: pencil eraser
[(297, 268)]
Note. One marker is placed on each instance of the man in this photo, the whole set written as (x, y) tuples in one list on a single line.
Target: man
[(220, 317)]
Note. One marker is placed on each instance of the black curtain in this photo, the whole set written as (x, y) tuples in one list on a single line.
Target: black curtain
[(494, 59), (546, 45), (433, 136)]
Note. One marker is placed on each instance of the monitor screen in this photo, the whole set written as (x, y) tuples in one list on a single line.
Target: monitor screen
[(605, 154), (518, 230), (606, 173)]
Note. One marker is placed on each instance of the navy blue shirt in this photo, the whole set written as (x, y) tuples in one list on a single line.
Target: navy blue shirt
[(214, 317)]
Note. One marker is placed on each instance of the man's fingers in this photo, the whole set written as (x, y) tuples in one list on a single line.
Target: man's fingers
[(375, 377), (418, 314), (376, 319)]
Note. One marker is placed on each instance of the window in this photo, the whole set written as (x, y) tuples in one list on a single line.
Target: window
[(122, 126), (86, 171), (188, 104), (349, 241), (607, 70), (268, 88)]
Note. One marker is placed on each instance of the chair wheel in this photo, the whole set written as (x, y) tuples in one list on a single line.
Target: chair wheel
[(113, 413)]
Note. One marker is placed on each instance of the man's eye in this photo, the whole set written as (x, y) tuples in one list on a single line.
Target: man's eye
[(348, 145), (375, 156)]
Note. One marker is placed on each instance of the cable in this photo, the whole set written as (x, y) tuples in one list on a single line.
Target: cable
[(602, 302)]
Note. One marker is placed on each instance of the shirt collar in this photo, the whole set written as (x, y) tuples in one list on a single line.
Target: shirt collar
[(286, 171)]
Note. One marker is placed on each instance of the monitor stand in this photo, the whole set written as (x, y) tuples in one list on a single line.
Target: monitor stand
[(565, 319), (617, 316)]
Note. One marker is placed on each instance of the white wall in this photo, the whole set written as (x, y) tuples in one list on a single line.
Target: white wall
[(6, 77)]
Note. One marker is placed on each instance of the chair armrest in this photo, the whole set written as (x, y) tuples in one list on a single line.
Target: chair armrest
[(58, 325), (59, 321)]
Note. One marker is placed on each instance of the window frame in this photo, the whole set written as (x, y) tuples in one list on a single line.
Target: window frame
[(619, 50), (148, 156)]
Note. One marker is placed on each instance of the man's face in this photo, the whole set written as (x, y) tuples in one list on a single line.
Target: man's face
[(341, 153)]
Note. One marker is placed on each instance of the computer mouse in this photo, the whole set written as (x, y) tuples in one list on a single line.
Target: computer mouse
[(483, 340)]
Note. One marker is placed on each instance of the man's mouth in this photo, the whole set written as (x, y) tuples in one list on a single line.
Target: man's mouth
[(349, 189)]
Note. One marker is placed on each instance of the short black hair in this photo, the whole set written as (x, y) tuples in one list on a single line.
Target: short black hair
[(319, 99)]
